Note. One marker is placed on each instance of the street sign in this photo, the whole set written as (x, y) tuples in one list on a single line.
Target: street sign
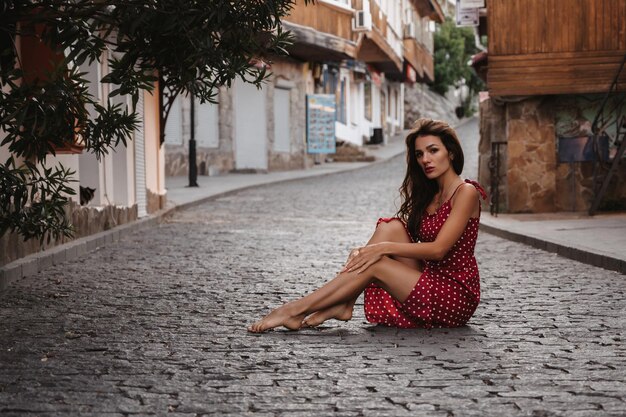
[(469, 4), (466, 16), (320, 123)]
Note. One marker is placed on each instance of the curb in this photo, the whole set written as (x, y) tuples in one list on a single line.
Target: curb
[(591, 258), (37, 262)]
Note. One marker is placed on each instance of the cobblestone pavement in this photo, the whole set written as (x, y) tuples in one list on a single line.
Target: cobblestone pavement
[(155, 324)]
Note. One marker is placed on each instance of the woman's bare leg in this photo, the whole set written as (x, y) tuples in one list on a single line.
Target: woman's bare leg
[(397, 278), (393, 231)]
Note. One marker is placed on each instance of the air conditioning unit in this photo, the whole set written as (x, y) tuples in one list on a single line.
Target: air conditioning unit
[(362, 21), (410, 30)]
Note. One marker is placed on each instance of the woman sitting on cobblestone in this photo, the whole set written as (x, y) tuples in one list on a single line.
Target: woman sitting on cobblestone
[(418, 269)]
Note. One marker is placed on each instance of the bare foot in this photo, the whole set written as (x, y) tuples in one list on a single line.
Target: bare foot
[(341, 312), (281, 316)]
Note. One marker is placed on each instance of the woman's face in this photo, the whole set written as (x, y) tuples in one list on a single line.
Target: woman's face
[(432, 156)]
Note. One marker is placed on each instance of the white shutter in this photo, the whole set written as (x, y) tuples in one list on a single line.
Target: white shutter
[(174, 124), (140, 161), (282, 116), (207, 125)]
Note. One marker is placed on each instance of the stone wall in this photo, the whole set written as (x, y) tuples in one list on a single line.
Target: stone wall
[(420, 101), (155, 201), (531, 156), (288, 74), (86, 221), (533, 179), (574, 117)]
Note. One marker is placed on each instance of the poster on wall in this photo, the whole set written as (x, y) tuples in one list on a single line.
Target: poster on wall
[(583, 148), (321, 112)]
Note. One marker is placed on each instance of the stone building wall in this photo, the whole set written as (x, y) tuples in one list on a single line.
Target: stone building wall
[(210, 161), (533, 179), (531, 156), (288, 74), (574, 117), (219, 160), (493, 129)]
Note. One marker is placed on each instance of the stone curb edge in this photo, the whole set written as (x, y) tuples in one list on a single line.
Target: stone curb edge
[(37, 262), (579, 255)]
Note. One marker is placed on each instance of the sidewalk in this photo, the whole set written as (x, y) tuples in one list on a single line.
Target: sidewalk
[(598, 240), (180, 196)]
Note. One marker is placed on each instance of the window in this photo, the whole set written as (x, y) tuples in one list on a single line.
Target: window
[(174, 124), (367, 99), (207, 124), (396, 104), (341, 3), (341, 102)]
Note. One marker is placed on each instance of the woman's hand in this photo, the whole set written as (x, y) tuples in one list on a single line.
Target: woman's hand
[(362, 258)]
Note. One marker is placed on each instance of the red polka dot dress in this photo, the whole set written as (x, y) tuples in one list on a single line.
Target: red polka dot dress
[(448, 290)]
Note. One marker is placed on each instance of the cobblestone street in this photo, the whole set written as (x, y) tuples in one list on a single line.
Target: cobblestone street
[(156, 323)]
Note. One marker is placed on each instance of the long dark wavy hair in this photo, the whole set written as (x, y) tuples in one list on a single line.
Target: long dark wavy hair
[(417, 191)]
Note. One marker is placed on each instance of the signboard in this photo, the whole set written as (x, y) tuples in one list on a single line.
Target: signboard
[(466, 17), (320, 123), (470, 4), (581, 149)]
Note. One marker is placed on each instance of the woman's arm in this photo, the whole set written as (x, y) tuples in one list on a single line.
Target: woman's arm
[(464, 205)]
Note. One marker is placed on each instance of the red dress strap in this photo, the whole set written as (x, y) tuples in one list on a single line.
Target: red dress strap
[(478, 187), (455, 190)]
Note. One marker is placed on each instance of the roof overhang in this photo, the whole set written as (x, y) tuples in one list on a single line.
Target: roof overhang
[(430, 9), (312, 45), (374, 49)]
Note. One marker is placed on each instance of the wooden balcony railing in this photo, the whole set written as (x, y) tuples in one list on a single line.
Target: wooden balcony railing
[(323, 17)]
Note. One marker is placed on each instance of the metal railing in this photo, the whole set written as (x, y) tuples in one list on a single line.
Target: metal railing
[(495, 164), (605, 119)]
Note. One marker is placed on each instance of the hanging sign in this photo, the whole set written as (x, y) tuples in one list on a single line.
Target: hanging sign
[(320, 123), (466, 17), (469, 4)]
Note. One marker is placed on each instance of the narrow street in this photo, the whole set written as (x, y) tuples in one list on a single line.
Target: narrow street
[(156, 324)]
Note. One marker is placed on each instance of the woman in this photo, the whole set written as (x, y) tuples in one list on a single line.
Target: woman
[(418, 269)]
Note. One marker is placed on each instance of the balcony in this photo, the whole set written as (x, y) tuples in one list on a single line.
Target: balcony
[(418, 56), (323, 31), (373, 46)]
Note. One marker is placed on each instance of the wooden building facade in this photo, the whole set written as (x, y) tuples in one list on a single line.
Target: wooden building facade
[(555, 78), (558, 47)]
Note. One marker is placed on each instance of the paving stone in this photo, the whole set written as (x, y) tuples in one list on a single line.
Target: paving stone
[(155, 322)]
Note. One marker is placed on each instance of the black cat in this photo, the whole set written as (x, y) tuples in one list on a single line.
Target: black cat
[(86, 195)]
